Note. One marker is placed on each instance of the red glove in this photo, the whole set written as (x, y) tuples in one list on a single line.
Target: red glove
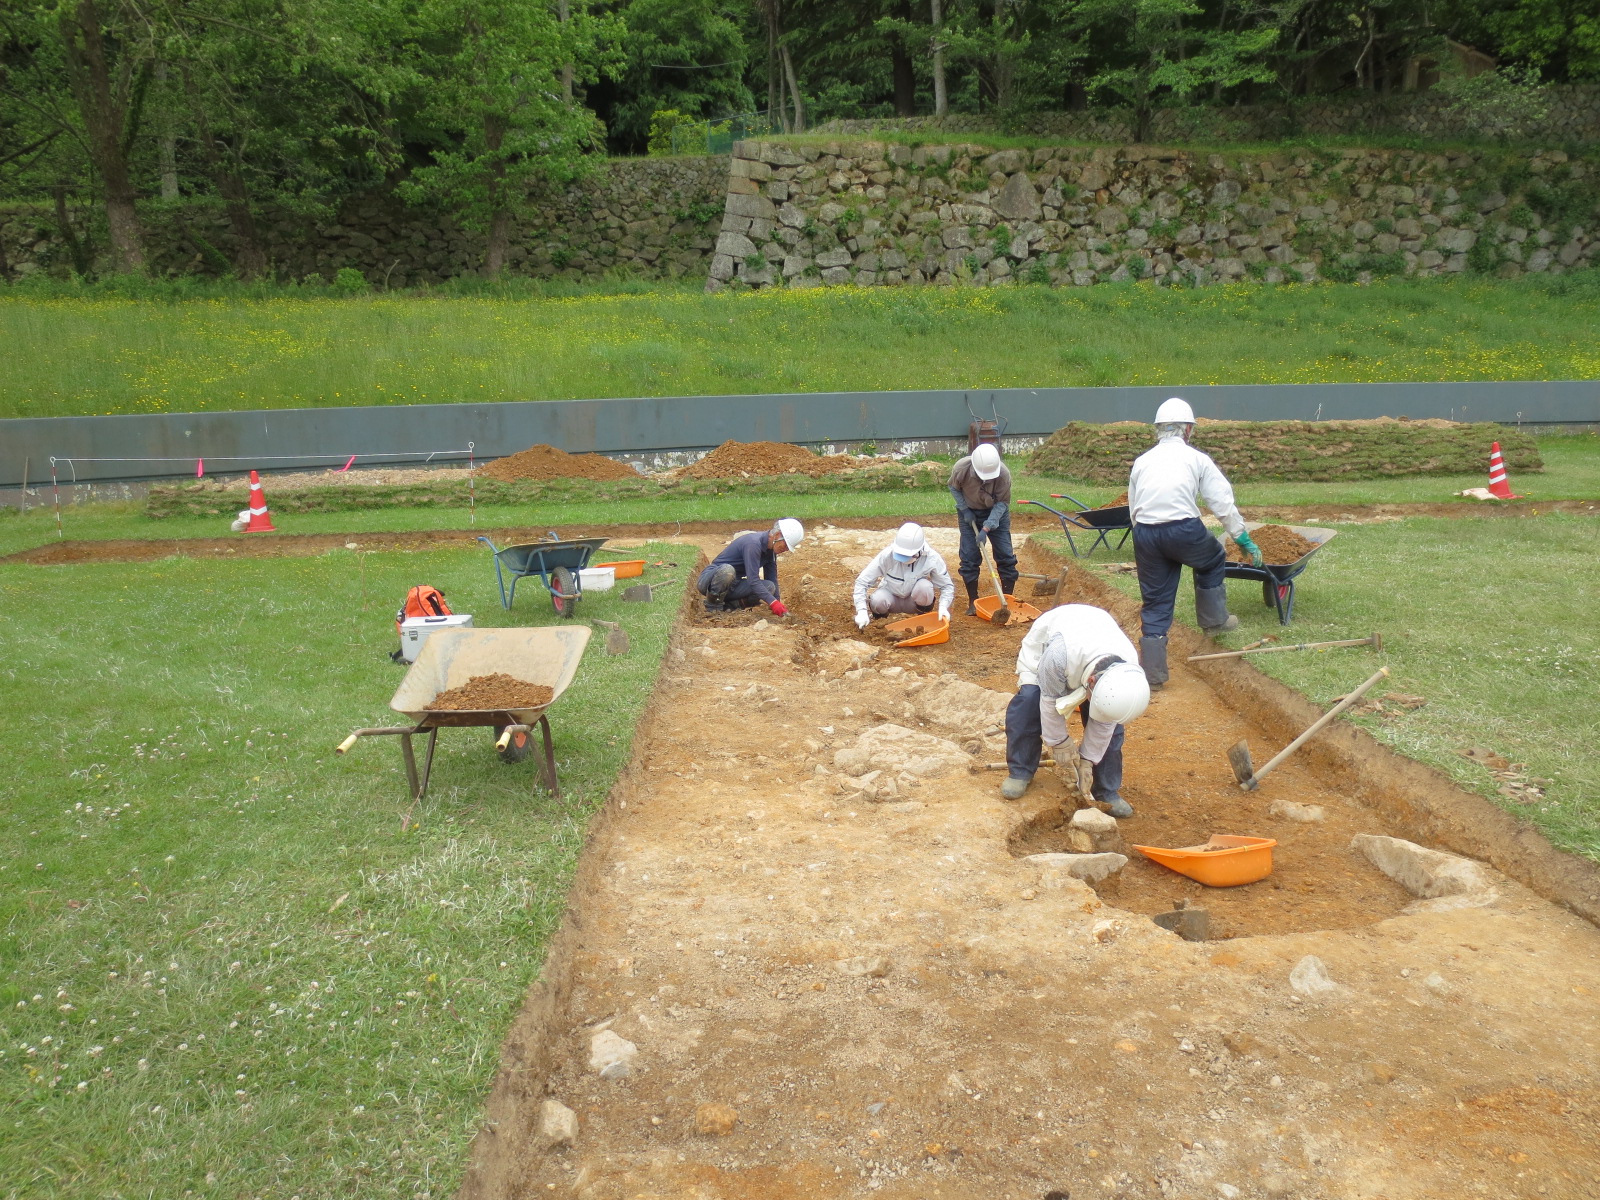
[(779, 608)]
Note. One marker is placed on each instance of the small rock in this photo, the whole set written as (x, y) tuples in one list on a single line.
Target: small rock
[(874, 966), (1093, 832), (1027, 893), (1227, 1191), (715, 1120), (1380, 1072), (1310, 977), (1435, 982), (1105, 931), (1241, 1043), (760, 625), (1276, 1186), (1091, 868), (1290, 811), (611, 1054), (558, 1126)]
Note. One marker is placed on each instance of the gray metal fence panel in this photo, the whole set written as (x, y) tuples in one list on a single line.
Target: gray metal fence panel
[(166, 445)]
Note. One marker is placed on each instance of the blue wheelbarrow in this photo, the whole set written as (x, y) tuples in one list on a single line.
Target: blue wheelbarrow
[(555, 561), (1101, 522)]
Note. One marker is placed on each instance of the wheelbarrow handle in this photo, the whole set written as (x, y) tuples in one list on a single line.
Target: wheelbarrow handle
[(345, 745)]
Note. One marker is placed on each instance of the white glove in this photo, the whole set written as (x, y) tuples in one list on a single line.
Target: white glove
[(1086, 779), (944, 612), (1064, 753), (862, 619)]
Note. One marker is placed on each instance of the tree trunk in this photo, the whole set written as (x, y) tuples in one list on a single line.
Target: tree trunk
[(775, 112), (900, 67), (564, 12), (941, 101), (75, 246), (794, 91), (499, 242), (249, 256), (103, 114), (167, 147)]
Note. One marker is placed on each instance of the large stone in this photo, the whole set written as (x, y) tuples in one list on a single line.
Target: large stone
[(558, 1126), (611, 1054), (1005, 161), (722, 267), (1310, 977), (1019, 199), (736, 245), (752, 206), (1430, 875), (895, 748), (792, 216), (837, 257), (745, 168), (1455, 241), (1225, 192), (1539, 260), (960, 706), (846, 655), (1087, 868), (794, 264), (1093, 832), (780, 156)]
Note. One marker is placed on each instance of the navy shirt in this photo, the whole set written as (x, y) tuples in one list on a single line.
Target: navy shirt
[(751, 557)]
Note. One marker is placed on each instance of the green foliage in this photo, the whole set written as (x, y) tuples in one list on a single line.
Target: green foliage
[(350, 282), (1038, 272), (1000, 239), (1505, 103), (756, 261), (1523, 217), (1563, 203), (1484, 255)]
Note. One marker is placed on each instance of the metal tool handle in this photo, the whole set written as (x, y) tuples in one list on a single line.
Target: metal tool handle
[(1375, 641), (1250, 784)]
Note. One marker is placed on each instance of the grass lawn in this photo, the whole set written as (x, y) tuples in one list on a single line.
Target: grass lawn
[(225, 966), (91, 354), (1492, 621)]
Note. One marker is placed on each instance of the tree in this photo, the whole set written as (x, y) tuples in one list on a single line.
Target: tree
[(685, 55)]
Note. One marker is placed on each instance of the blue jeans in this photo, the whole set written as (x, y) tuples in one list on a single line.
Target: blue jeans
[(1023, 746), (1005, 559), (1161, 552)]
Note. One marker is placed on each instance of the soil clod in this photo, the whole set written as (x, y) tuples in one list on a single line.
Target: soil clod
[(497, 691), (1279, 545)]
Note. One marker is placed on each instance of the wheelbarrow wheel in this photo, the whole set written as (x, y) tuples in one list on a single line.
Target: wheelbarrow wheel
[(563, 591), (517, 748)]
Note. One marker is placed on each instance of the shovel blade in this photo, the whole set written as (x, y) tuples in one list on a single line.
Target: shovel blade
[(1239, 756), (1002, 616)]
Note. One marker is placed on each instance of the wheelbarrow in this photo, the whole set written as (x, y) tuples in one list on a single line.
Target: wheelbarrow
[(554, 561), (1277, 580), (449, 658), (1101, 522)]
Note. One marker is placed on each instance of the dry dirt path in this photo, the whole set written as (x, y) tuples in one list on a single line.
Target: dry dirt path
[(897, 1005)]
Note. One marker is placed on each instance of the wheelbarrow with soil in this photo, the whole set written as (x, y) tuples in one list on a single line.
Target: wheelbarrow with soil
[(1278, 579), (506, 679)]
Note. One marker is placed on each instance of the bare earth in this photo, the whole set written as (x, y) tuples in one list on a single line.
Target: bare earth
[(896, 1005)]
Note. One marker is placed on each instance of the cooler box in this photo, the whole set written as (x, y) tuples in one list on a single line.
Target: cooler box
[(415, 630)]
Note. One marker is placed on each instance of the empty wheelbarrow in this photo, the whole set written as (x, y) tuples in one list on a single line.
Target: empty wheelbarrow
[(555, 561)]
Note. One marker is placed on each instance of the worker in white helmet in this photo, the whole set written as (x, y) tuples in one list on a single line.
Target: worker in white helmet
[(1075, 656), (745, 574), (909, 576), (1165, 491), (981, 485)]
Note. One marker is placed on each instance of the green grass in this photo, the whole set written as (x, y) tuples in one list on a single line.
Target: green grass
[(1492, 621), (263, 983), (107, 355)]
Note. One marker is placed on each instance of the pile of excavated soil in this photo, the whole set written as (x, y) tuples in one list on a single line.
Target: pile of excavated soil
[(1295, 450), (733, 459), (499, 691), (549, 462), (1279, 545)]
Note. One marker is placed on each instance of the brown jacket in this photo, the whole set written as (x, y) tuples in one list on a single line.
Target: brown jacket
[(980, 495)]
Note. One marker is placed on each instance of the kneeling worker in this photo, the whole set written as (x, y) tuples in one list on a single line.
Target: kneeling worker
[(1075, 655), (746, 572), (906, 574)]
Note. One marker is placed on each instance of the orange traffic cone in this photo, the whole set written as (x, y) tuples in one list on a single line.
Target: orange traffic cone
[(1499, 485), (261, 519)]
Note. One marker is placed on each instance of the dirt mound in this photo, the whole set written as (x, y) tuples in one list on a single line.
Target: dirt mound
[(492, 691), (548, 462), (733, 459), (1279, 544), (1316, 451)]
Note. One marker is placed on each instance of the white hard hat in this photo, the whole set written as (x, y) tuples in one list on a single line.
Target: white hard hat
[(1120, 694), (909, 541), (792, 532), (1174, 412), (986, 461)]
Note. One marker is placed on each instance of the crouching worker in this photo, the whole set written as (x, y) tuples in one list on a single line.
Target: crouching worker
[(909, 576), (1075, 656), (745, 574)]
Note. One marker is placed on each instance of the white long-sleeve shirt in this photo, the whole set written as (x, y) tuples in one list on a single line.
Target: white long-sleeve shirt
[(1057, 655), (900, 577), (1169, 480)]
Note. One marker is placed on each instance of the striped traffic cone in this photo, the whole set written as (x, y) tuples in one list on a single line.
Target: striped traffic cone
[(260, 518), (1499, 485)]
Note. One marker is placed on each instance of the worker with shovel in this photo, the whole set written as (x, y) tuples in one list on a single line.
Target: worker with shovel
[(745, 574), (909, 574), (1165, 490), (981, 485), (1075, 656)]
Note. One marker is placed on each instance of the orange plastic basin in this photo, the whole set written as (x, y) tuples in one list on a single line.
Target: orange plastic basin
[(1021, 610), (625, 570), (928, 629), (1224, 861)]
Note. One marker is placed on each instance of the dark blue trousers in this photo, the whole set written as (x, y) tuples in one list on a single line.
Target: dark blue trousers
[(1161, 552), (1023, 746), (1005, 558), (741, 595)]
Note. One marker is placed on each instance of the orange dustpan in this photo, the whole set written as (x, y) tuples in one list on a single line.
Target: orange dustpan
[(926, 629), (1021, 611), (1224, 861)]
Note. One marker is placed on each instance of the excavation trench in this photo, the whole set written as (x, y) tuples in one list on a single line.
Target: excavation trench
[(891, 1002)]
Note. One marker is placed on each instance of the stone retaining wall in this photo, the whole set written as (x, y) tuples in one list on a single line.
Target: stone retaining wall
[(653, 217), (867, 213)]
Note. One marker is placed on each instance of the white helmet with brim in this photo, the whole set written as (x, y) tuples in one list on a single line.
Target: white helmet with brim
[(909, 541), (1120, 693), (1175, 411), (791, 531), (986, 461)]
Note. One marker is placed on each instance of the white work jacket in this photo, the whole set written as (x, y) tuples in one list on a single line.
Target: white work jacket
[(900, 577), (1060, 650), (1169, 481)]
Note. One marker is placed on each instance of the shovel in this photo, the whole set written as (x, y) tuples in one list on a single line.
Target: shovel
[(1001, 615), (1239, 754)]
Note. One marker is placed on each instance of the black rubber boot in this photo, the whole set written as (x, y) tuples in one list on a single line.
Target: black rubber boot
[(1153, 658), (1211, 610), (972, 596)]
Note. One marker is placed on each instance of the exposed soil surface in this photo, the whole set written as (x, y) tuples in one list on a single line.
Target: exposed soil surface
[(497, 691), (733, 459), (1279, 546), (895, 1004), (550, 462)]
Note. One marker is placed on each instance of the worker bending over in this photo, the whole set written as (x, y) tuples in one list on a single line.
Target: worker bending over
[(1075, 656), (909, 574), (981, 485), (745, 574), (1165, 489)]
